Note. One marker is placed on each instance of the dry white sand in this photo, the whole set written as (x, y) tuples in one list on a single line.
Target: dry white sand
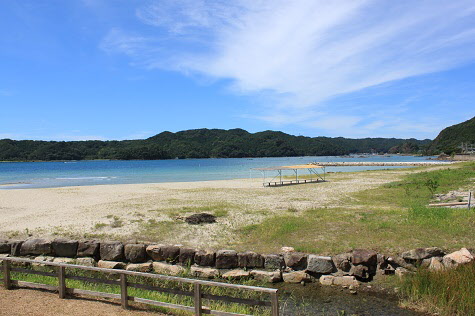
[(132, 211)]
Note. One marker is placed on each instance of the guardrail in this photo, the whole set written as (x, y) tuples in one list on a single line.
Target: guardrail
[(124, 284)]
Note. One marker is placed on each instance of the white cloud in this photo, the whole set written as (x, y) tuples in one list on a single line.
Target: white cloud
[(303, 52)]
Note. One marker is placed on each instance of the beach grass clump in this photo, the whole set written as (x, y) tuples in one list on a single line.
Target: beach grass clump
[(446, 292)]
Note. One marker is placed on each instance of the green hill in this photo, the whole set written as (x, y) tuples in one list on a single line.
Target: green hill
[(201, 143), (450, 138)]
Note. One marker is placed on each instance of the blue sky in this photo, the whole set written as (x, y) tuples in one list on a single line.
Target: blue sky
[(113, 69)]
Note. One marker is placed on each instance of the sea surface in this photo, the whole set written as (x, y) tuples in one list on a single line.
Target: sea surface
[(20, 175)]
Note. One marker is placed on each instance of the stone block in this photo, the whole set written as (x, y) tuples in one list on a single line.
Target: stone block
[(366, 257), (65, 248), (320, 264), (88, 248), (135, 253), (250, 259), (5, 246), (36, 247), (274, 262), (205, 258), (226, 259), (456, 258), (169, 253), (360, 271), (15, 246), (342, 262), (295, 260), (187, 256), (111, 251)]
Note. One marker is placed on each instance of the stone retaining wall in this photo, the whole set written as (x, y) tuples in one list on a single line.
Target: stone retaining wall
[(346, 269)]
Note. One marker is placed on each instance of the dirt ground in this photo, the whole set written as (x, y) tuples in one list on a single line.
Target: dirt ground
[(21, 302)]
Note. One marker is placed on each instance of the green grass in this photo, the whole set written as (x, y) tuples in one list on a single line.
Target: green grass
[(384, 219), (449, 292), (154, 295)]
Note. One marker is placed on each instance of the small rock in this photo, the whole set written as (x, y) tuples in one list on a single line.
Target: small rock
[(165, 268), (401, 272), (456, 258), (326, 279), (201, 218), (110, 264), (295, 277), (86, 261), (237, 274), (267, 276), (206, 273), (64, 260), (139, 267), (346, 280), (436, 264), (287, 249), (42, 258)]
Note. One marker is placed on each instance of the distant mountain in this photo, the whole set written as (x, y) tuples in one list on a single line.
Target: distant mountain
[(203, 143), (450, 138)]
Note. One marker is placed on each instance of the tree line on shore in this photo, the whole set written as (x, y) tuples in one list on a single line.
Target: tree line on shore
[(205, 143)]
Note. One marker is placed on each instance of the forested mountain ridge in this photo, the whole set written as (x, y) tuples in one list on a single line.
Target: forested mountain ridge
[(199, 143), (450, 138)]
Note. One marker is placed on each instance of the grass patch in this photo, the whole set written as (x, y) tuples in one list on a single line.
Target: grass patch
[(449, 292), (153, 295)]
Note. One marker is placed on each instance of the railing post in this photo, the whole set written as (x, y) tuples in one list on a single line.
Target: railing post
[(62, 282), (275, 304), (197, 299), (7, 283), (124, 296)]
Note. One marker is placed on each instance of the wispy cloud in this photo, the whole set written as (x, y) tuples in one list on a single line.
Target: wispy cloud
[(302, 52)]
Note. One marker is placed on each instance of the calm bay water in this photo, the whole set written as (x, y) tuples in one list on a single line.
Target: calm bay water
[(17, 175)]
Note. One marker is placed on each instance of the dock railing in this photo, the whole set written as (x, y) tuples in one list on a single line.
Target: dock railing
[(124, 284)]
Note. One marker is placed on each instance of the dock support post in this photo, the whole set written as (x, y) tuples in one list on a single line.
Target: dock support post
[(470, 199)]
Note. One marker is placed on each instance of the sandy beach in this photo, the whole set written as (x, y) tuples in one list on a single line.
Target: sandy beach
[(154, 212)]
